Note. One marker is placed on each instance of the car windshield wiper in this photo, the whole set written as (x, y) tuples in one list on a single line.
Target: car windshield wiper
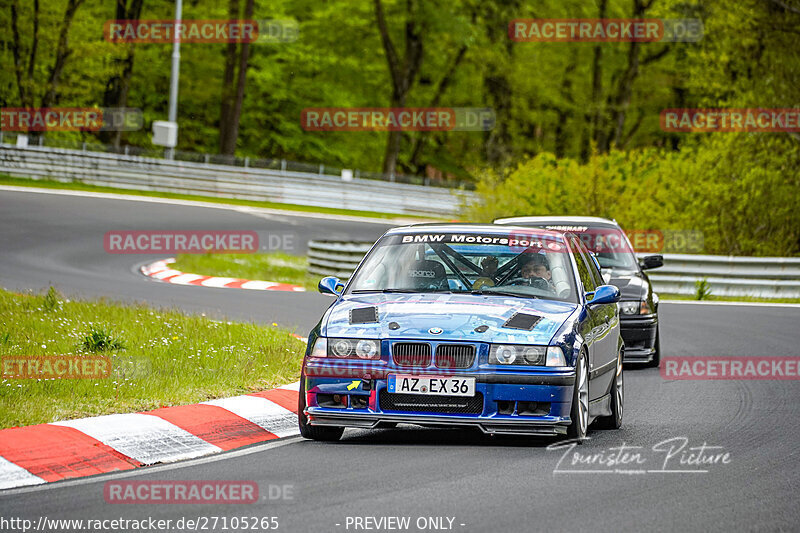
[(503, 293), (420, 291)]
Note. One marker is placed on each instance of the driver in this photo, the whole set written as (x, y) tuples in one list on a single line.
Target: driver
[(537, 267), (489, 266)]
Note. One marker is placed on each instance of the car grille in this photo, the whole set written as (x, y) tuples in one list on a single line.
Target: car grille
[(455, 355), (416, 354), (432, 404)]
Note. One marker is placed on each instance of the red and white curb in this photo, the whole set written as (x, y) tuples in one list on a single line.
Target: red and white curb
[(43, 453), (161, 271)]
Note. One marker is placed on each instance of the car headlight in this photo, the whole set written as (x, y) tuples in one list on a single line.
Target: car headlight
[(341, 347), (636, 307), (517, 354), (347, 348), (367, 349), (555, 356), (320, 348)]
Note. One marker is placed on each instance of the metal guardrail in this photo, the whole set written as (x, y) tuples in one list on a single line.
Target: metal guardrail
[(762, 277), (335, 258), (157, 152), (225, 181)]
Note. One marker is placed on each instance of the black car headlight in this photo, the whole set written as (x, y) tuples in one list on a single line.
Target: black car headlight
[(522, 354), (635, 307), (347, 348)]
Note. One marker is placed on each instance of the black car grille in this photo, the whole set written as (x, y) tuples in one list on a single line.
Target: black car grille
[(455, 355), (432, 404), (417, 354)]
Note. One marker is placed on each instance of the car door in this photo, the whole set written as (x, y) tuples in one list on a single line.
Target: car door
[(602, 351), (609, 336)]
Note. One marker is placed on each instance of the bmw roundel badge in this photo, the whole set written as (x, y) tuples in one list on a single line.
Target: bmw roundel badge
[(435, 331)]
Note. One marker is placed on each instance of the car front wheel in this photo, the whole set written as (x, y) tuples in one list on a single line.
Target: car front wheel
[(579, 414)]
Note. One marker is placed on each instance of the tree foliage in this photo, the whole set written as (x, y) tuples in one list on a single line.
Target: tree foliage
[(568, 110)]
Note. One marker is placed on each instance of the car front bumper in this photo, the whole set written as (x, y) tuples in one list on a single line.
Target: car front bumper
[(530, 403), (639, 335)]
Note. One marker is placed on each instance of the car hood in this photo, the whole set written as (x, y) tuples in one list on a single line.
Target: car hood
[(456, 314), (632, 285)]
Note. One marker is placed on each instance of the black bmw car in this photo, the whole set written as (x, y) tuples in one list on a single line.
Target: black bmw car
[(620, 267)]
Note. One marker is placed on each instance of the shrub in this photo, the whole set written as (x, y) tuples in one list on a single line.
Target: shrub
[(741, 190), (100, 340)]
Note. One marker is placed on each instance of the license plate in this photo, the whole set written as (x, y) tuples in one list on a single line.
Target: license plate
[(431, 385)]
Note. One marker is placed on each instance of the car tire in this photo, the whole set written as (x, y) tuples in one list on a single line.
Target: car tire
[(579, 412), (656, 360), (614, 420), (321, 433)]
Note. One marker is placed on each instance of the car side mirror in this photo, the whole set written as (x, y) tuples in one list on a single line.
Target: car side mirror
[(604, 294), (331, 285), (652, 261)]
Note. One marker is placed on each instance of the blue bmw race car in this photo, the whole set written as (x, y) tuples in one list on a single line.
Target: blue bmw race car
[(506, 329)]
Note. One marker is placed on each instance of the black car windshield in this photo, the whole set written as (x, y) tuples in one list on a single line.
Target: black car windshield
[(529, 267), (610, 245)]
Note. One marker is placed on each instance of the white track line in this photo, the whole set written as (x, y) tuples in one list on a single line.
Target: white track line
[(217, 282), (262, 412), (185, 279), (123, 474), (165, 273), (259, 285), (146, 438), (12, 476), (737, 304)]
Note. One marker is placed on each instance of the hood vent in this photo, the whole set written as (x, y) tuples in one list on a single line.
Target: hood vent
[(522, 321), (364, 315)]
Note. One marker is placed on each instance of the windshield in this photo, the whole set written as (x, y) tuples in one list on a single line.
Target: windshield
[(530, 267), (610, 245)]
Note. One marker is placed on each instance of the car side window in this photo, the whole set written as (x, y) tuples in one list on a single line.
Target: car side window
[(587, 280), (592, 265), (598, 276)]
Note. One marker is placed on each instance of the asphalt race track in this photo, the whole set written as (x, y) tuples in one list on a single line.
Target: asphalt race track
[(56, 239), (484, 483)]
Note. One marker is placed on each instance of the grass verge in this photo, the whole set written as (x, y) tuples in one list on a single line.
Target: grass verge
[(158, 357), (274, 266), (714, 298), (78, 186)]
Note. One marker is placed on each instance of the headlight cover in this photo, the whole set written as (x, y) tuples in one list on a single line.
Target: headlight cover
[(517, 354), (635, 307), (320, 348), (555, 356), (347, 348)]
